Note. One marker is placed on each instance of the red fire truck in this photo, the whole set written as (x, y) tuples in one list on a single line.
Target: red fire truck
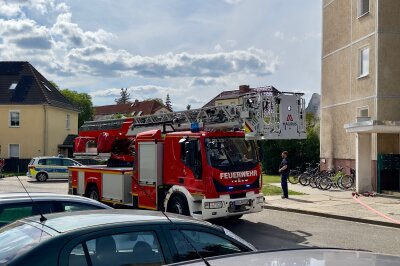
[(202, 162)]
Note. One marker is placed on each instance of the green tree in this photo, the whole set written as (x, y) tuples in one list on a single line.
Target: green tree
[(154, 99), (168, 102), (300, 151), (84, 103), (125, 96)]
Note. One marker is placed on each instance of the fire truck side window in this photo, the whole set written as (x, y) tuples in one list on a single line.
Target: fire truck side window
[(191, 156)]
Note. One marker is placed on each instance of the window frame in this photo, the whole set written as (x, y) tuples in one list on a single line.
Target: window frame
[(10, 119), (13, 86), (168, 233), (9, 150), (360, 7), (117, 230), (68, 122), (360, 62), (362, 108)]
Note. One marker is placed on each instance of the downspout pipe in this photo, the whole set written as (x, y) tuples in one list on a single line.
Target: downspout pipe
[(45, 131)]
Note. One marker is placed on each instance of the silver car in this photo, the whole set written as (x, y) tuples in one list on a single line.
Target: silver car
[(17, 205)]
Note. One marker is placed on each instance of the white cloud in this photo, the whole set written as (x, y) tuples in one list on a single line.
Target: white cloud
[(9, 9), (280, 35), (232, 2), (251, 61), (136, 92), (201, 82)]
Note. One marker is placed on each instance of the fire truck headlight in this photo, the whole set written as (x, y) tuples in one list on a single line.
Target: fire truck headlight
[(260, 199), (213, 205)]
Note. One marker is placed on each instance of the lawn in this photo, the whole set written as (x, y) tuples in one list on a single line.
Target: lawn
[(271, 190)]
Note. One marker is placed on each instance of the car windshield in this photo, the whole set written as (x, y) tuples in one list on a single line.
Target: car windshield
[(17, 238), (235, 151)]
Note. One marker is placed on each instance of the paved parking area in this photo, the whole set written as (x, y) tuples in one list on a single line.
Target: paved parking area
[(11, 184)]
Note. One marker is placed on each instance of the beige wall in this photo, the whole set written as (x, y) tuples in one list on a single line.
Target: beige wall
[(56, 127), (364, 25), (388, 143), (31, 135), (336, 80), (162, 110), (365, 86), (336, 26), (389, 19), (227, 102)]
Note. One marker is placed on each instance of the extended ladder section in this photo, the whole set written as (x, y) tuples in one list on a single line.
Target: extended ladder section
[(261, 116)]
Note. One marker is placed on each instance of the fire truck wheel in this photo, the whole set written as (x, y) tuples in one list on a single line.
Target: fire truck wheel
[(93, 193), (179, 205), (41, 177)]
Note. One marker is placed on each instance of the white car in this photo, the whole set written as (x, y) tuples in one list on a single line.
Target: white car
[(43, 168)]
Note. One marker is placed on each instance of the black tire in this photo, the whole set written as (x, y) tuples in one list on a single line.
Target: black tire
[(294, 177), (325, 183), (178, 205), (313, 181), (303, 179), (93, 193), (347, 181), (42, 177)]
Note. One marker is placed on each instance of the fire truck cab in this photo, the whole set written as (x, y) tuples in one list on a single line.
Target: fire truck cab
[(202, 174)]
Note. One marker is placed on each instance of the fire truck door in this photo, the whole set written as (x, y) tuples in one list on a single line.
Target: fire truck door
[(149, 173)]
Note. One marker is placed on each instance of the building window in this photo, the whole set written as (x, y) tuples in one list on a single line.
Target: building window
[(364, 62), (47, 87), (13, 151), (13, 86), (68, 121), (14, 119), (363, 112), (363, 7)]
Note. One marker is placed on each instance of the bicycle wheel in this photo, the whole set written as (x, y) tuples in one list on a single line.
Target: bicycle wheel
[(347, 181), (325, 183), (313, 181), (294, 177), (303, 179)]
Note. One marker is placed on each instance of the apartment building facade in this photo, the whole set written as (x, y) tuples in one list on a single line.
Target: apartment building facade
[(360, 90)]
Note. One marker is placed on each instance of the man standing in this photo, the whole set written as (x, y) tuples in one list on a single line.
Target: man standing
[(284, 171)]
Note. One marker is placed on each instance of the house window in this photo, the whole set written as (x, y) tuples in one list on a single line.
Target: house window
[(14, 119), (363, 7), (47, 87), (364, 62), (13, 151), (363, 112), (68, 121), (13, 86)]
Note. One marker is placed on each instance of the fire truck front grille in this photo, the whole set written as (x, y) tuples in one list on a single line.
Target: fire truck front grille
[(238, 195)]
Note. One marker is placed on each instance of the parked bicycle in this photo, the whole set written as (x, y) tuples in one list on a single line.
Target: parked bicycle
[(294, 175)]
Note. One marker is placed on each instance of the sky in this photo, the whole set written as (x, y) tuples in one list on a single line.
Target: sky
[(189, 49)]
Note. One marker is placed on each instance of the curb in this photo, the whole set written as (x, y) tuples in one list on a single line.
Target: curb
[(333, 216)]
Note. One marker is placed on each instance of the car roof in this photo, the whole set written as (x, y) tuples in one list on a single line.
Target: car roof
[(10, 197), (309, 257), (52, 157), (72, 221)]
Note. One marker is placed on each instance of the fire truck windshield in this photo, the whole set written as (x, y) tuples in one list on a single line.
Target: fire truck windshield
[(231, 152)]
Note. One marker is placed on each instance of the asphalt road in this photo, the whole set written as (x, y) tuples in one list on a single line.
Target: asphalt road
[(274, 229)]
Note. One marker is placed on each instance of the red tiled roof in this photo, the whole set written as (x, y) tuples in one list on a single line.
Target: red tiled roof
[(146, 108), (234, 94)]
